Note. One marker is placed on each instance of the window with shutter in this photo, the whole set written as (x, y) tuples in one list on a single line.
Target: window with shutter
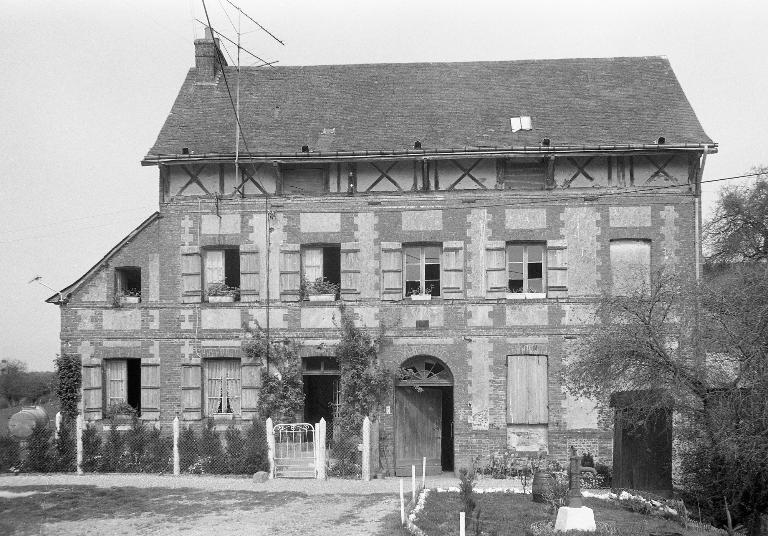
[(350, 270), (222, 386), (321, 266), (92, 391), (150, 391), (191, 392), (123, 382), (527, 389), (221, 272), (526, 269), (422, 270), (557, 269), (495, 269), (250, 372), (190, 274), (391, 271), (290, 272), (249, 273), (453, 270)]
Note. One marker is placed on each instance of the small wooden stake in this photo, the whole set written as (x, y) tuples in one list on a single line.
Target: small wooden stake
[(462, 524), (413, 483), (176, 457), (402, 504), (423, 472), (79, 425)]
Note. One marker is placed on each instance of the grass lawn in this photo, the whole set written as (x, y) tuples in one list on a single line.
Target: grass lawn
[(26, 515), (507, 514)]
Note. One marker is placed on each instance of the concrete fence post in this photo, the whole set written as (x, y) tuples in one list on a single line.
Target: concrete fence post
[(271, 447), (79, 443), (176, 456), (366, 463), (320, 440), (57, 420)]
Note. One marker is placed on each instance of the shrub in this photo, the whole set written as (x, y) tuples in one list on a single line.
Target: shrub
[(114, 459), (556, 495), (467, 490), (547, 528), (211, 453), (39, 457), (68, 381), (158, 452), (256, 451), (10, 452), (65, 447), (188, 449), (91, 449), (234, 459)]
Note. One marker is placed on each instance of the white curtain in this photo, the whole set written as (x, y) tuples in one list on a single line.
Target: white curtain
[(312, 263), (214, 266), (117, 374), (223, 385)]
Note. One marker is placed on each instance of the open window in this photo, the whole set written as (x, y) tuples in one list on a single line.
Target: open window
[(128, 284), (422, 270), (526, 269), (123, 380), (221, 274), (321, 271), (222, 386)]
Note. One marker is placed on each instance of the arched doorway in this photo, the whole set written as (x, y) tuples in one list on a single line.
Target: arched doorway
[(424, 416)]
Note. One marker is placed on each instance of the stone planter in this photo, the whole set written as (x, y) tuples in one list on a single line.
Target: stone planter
[(322, 297), (130, 299), (223, 417), (421, 297), (526, 295), (221, 299)]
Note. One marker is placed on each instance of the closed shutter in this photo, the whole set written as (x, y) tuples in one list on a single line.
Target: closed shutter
[(249, 273), (290, 272), (150, 391), (495, 269), (453, 270), (251, 383), (557, 269), (191, 392), (92, 397), (350, 270), (190, 274), (527, 390), (391, 271)]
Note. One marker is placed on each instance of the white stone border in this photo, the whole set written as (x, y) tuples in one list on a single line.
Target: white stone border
[(410, 520)]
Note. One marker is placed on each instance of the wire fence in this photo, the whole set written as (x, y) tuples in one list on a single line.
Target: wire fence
[(202, 448)]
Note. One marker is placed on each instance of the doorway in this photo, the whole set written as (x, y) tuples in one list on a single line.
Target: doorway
[(321, 376), (424, 416)]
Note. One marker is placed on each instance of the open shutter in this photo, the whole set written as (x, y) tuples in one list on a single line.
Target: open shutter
[(190, 274), (150, 390), (251, 383), (527, 393), (557, 269), (290, 272), (495, 269), (391, 271), (249, 273), (92, 397), (453, 270), (191, 392), (350, 270)]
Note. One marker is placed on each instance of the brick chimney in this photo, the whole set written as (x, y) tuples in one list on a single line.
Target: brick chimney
[(208, 57)]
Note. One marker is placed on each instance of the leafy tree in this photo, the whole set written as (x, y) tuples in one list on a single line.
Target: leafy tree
[(282, 393), (68, 382), (39, 457), (18, 384), (738, 229), (714, 373)]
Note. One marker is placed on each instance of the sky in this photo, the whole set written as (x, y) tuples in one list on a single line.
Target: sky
[(86, 85)]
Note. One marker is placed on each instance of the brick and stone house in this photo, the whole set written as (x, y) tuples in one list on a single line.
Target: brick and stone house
[(475, 211)]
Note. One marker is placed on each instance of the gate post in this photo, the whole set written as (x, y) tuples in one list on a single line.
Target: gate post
[(271, 447), (320, 449), (366, 449), (176, 457), (79, 443)]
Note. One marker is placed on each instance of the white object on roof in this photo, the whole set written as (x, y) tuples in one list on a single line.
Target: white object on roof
[(520, 123)]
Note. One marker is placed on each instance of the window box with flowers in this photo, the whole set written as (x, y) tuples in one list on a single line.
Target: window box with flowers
[(319, 290), (130, 296), (419, 294), (219, 292)]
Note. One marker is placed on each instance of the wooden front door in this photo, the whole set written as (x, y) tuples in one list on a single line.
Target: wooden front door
[(418, 430)]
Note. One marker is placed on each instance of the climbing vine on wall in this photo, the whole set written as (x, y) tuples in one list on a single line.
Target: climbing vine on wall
[(68, 381)]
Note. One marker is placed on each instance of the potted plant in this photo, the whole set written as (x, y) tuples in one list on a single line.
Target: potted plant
[(421, 294), (130, 295), (318, 290), (219, 292), (120, 412)]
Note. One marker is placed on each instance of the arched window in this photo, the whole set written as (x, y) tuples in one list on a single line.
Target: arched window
[(424, 370)]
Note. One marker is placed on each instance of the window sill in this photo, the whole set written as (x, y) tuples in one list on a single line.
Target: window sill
[(526, 295), (221, 299), (421, 297), (223, 416), (322, 297), (126, 300)]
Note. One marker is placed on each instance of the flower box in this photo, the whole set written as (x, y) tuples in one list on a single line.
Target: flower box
[(221, 299), (130, 299), (421, 297), (223, 416), (322, 297)]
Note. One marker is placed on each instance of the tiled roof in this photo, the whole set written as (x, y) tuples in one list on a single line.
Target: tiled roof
[(386, 107)]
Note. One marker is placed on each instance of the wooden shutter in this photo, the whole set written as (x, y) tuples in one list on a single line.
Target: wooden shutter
[(190, 274), (251, 383), (350, 270), (249, 273), (92, 397), (190, 392), (290, 272), (495, 269), (557, 269), (453, 270), (391, 271), (527, 393), (150, 390)]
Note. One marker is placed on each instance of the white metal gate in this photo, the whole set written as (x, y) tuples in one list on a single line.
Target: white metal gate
[(295, 450)]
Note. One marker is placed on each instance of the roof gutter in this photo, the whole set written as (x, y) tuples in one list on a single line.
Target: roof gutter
[(425, 154)]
